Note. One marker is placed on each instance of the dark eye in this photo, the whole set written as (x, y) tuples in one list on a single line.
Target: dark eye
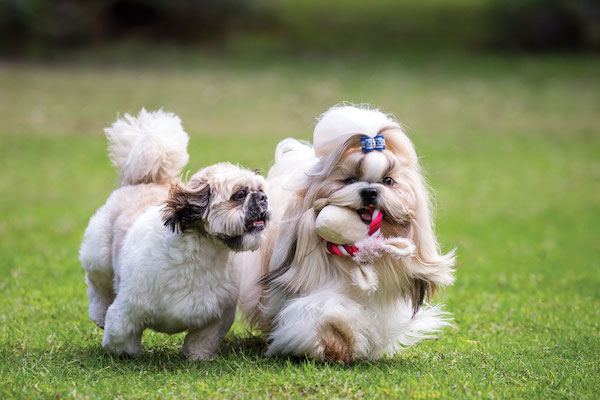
[(349, 181), (387, 181), (239, 195)]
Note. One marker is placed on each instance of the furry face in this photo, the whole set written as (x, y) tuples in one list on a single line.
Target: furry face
[(377, 179), (341, 308), (223, 201), (389, 180)]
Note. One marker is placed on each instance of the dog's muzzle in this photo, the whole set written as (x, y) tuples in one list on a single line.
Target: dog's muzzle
[(257, 212)]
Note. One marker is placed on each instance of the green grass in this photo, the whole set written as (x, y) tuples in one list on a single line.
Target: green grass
[(510, 146)]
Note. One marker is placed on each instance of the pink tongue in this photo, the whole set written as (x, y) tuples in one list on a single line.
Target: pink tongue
[(366, 216)]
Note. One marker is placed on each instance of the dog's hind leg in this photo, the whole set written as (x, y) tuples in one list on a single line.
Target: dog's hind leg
[(100, 298), (96, 260)]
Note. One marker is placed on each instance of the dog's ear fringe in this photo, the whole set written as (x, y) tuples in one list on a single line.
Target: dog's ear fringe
[(272, 279), (420, 291), (185, 206), (434, 272)]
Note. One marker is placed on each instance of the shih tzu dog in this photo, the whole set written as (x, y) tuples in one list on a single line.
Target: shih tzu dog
[(159, 253), (340, 302)]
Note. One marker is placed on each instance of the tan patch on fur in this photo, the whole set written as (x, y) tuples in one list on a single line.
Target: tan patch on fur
[(131, 203), (337, 345)]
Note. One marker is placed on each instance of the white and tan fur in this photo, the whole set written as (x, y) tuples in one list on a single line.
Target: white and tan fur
[(308, 301), (158, 253)]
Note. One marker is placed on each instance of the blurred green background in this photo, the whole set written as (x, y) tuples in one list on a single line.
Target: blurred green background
[(47, 27), (501, 98)]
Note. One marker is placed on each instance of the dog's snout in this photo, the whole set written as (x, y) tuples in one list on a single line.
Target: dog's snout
[(257, 211), (369, 196), (260, 200), (260, 196)]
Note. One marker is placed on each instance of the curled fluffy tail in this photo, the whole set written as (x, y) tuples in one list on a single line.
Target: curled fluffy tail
[(149, 148), (291, 158), (295, 150)]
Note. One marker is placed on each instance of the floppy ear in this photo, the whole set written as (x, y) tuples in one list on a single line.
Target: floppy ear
[(430, 268), (304, 267), (185, 206)]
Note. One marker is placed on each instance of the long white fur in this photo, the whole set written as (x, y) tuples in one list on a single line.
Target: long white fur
[(340, 122), (379, 323), (377, 329)]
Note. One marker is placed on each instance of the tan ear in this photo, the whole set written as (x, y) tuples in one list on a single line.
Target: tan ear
[(305, 267), (273, 278), (185, 206)]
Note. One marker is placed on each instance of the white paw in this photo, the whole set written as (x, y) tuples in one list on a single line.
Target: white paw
[(131, 349)]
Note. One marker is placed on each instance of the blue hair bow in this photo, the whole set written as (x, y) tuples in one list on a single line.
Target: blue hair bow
[(369, 144)]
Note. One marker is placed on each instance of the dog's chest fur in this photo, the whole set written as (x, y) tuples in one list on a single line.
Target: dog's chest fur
[(180, 281), (193, 294)]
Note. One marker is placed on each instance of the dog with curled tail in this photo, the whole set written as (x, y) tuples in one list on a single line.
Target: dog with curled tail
[(159, 253), (339, 302)]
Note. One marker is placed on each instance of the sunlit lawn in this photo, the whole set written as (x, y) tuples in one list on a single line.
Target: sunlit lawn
[(511, 146)]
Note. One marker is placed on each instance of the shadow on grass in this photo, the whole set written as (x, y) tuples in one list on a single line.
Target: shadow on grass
[(255, 347), (237, 353)]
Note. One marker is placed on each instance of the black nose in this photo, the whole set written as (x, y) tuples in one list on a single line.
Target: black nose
[(260, 199), (260, 196), (369, 196)]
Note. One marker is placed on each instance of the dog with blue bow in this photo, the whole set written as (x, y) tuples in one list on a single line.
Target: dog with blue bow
[(350, 259)]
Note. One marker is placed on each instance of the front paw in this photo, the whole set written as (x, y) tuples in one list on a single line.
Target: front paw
[(122, 349), (198, 355)]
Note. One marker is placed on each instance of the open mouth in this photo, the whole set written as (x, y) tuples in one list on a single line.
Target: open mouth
[(365, 215), (254, 226)]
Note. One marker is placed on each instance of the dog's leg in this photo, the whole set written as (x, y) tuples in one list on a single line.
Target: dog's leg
[(203, 343), (121, 334), (96, 259), (336, 343), (326, 326), (99, 301)]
